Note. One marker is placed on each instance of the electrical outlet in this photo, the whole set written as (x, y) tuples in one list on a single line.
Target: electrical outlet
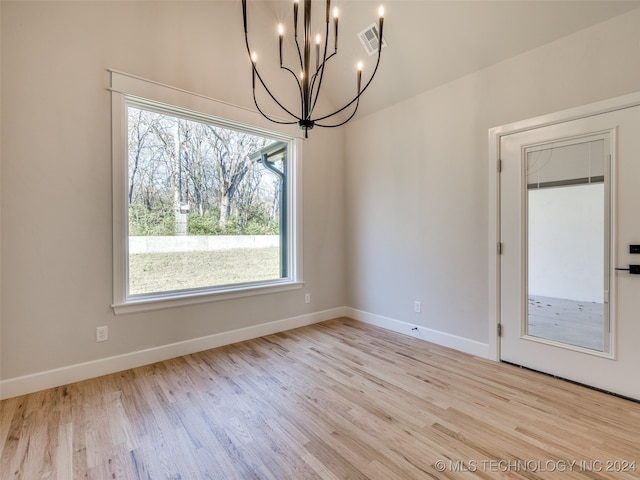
[(307, 298), (102, 333), (417, 307)]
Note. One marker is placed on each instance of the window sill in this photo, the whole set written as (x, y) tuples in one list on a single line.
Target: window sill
[(159, 302)]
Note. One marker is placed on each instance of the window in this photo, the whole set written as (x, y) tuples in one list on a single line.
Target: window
[(204, 208)]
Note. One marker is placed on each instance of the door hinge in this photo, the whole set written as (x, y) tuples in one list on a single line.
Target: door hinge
[(499, 248), (499, 329), (499, 165)]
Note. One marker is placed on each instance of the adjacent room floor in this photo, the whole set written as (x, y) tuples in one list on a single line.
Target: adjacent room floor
[(567, 321)]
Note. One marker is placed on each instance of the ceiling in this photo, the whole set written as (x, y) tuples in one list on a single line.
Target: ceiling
[(431, 43)]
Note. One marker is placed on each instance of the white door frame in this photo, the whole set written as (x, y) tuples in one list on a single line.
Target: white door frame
[(597, 108)]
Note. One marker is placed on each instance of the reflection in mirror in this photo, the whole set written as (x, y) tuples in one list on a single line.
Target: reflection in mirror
[(567, 246)]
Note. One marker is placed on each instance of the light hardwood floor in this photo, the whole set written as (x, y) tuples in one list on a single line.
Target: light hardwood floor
[(336, 400)]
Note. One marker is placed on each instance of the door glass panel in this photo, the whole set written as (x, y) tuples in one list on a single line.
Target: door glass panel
[(567, 232)]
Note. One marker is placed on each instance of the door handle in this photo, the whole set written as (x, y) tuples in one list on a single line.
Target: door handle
[(633, 269)]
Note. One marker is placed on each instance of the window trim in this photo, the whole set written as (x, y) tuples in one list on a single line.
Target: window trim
[(127, 90)]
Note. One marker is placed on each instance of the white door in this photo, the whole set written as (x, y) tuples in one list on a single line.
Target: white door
[(569, 212)]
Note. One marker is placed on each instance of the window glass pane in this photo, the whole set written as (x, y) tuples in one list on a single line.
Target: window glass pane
[(204, 205), (567, 249)]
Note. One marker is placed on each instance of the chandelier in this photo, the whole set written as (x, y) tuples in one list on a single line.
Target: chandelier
[(309, 76)]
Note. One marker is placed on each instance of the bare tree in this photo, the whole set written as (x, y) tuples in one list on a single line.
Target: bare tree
[(178, 165), (231, 150)]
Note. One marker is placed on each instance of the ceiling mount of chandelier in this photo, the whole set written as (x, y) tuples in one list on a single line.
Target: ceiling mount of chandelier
[(309, 78)]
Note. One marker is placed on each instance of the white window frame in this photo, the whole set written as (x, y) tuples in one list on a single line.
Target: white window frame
[(128, 89)]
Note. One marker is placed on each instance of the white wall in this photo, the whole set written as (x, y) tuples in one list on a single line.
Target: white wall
[(566, 242), (199, 243), (56, 170), (416, 175)]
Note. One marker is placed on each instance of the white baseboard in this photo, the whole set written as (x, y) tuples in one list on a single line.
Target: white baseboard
[(462, 344), (73, 373)]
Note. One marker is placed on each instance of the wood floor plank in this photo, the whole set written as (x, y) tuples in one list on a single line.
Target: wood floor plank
[(332, 401)]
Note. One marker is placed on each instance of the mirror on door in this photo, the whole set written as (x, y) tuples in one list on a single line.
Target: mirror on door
[(567, 242)]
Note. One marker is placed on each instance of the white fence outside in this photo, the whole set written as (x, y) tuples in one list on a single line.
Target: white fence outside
[(200, 243)]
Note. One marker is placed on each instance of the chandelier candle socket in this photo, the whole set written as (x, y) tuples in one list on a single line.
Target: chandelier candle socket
[(280, 37), (309, 82), (318, 51), (335, 29)]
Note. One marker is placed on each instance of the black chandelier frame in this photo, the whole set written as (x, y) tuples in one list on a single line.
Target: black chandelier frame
[(309, 85)]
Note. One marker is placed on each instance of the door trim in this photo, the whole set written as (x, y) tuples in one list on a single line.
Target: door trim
[(495, 134)]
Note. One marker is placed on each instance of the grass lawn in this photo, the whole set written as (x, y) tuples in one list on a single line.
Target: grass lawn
[(160, 272)]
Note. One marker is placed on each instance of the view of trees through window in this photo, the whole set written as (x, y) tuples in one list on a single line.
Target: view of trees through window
[(204, 211)]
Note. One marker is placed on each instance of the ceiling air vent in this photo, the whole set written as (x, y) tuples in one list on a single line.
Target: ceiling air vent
[(369, 39)]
